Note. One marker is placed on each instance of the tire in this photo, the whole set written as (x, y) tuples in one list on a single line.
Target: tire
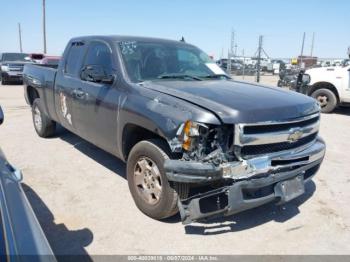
[(43, 125), (279, 83), (327, 99), (4, 81), (158, 205)]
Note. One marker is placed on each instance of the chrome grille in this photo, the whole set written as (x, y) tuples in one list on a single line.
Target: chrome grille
[(16, 67), (271, 137)]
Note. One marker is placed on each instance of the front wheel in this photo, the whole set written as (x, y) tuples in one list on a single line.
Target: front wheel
[(4, 81), (326, 98), (152, 192)]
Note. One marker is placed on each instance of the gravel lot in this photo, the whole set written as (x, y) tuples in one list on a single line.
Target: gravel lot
[(81, 198)]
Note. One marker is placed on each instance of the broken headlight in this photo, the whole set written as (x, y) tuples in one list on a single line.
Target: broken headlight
[(189, 132), (5, 68), (207, 143)]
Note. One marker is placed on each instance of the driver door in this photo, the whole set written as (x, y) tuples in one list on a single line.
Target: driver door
[(98, 100)]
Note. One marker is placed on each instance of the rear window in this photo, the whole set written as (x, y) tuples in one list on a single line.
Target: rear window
[(74, 58)]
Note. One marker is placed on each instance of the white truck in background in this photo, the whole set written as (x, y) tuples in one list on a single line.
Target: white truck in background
[(330, 86)]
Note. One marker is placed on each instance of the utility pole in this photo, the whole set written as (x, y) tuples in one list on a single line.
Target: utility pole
[(312, 43), (230, 52), (243, 63), (20, 37), (259, 58), (44, 26), (229, 62), (302, 51), (232, 42)]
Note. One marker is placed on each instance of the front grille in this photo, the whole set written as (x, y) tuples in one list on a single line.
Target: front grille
[(259, 129), (16, 67), (276, 147), (272, 137)]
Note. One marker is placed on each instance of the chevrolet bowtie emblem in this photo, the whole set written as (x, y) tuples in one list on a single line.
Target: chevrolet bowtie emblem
[(295, 136)]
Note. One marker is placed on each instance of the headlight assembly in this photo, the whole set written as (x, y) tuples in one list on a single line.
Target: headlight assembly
[(5, 68), (188, 132)]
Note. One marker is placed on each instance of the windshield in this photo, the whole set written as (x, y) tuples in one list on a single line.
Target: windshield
[(166, 60), (14, 57)]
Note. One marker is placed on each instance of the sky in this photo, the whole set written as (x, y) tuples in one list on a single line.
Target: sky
[(206, 24)]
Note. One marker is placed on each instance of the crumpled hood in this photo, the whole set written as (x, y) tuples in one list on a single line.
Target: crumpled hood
[(239, 102)]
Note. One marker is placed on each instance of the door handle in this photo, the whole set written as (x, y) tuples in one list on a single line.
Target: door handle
[(79, 93)]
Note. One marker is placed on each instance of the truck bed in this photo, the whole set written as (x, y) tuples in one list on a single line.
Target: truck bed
[(43, 73), (42, 79)]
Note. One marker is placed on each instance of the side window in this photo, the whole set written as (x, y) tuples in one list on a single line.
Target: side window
[(74, 57), (99, 54)]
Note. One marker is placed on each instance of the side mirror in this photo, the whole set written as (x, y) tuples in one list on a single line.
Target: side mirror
[(97, 74), (108, 79), (1, 116)]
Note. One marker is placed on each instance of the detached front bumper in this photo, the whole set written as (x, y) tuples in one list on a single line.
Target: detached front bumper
[(255, 181)]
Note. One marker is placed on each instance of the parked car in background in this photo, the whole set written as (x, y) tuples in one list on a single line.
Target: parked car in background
[(235, 64), (277, 66), (330, 86), (345, 62), (179, 122), (11, 66), (264, 63), (51, 61), (21, 237)]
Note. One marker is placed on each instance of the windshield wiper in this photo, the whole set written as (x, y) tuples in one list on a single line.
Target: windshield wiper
[(178, 76), (218, 76)]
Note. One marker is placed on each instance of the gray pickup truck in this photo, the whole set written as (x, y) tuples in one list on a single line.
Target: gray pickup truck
[(193, 139), (11, 67)]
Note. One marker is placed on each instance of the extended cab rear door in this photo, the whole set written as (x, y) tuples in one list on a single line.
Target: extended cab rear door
[(67, 83)]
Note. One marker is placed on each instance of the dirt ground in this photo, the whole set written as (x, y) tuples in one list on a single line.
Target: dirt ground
[(81, 198)]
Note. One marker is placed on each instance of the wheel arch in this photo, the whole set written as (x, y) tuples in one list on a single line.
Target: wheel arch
[(132, 134), (31, 94)]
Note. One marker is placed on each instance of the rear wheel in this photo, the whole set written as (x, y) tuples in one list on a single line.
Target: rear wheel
[(326, 98), (43, 125), (153, 194)]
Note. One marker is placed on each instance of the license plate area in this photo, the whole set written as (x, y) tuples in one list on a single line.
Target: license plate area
[(290, 189)]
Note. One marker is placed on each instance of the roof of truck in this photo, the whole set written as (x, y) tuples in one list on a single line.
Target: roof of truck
[(120, 38)]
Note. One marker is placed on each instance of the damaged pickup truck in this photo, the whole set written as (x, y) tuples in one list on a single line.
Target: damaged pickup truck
[(194, 140)]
